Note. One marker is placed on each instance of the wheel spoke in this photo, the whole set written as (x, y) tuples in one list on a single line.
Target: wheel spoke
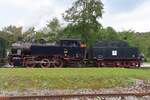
[(45, 63), (58, 63)]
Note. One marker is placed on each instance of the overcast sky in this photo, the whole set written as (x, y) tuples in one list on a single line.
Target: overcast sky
[(120, 14)]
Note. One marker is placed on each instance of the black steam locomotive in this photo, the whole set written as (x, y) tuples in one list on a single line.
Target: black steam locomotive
[(69, 52)]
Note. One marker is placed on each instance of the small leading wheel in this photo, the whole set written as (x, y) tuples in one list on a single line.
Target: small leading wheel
[(45, 63), (58, 63)]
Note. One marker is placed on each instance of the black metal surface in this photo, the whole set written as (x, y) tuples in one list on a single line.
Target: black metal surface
[(114, 50), (70, 48), (56, 50), (115, 53)]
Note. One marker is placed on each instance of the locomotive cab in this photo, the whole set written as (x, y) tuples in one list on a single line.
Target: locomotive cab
[(73, 48), (71, 43)]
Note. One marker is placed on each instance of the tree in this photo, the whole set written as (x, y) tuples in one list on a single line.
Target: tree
[(16, 32), (111, 34), (11, 34), (54, 25), (7, 37), (106, 34), (84, 15), (28, 35), (53, 29)]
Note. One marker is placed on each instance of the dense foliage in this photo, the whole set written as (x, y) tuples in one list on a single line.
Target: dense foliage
[(83, 17), (83, 22)]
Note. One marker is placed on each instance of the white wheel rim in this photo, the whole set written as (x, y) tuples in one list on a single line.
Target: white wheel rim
[(45, 63)]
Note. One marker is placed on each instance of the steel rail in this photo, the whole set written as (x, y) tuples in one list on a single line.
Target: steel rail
[(58, 97)]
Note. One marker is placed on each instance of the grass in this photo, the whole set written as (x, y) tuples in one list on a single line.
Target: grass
[(69, 78)]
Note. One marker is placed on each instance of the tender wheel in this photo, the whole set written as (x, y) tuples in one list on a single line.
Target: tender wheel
[(58, 63), (100, 64), (45, 63)]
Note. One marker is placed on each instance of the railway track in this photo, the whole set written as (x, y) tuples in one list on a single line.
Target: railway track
[(76, 96)]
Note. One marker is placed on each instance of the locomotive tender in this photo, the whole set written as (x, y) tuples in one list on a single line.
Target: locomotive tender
[(115, 53), (72, 51)]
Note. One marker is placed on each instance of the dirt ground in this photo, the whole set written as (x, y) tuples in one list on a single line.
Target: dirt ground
[(140, 86)]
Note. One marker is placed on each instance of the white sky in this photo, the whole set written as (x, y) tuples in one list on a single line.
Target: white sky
[(123, 15), (137, 17)]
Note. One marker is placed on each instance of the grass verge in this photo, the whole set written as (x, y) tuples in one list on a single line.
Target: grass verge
[(69, 78)]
